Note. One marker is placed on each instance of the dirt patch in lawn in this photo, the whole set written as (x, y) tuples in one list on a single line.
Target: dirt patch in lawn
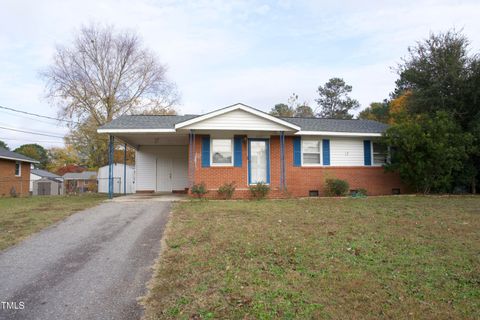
[(388, 257)]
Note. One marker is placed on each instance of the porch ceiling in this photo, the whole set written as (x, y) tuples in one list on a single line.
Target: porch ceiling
[(151, 139), (180, 138)]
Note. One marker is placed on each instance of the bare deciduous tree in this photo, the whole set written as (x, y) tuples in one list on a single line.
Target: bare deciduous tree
[(104, 74)]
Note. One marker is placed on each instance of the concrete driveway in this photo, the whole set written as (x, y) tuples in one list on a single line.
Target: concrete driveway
[(93, 265)]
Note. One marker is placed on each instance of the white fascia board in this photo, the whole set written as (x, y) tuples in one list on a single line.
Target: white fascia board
[(338, 134), (237, 107), (21, 160), (136, 130)]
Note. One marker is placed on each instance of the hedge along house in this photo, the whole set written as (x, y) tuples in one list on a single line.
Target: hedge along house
[(242, 144)]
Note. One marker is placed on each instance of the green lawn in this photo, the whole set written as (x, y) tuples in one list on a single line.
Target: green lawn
[(407, 257), (20, 217)]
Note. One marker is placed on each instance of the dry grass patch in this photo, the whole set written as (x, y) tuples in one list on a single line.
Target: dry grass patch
[(20, 217), (388, 257)]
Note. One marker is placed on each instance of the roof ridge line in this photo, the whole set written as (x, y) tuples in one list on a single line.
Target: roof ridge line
[(160, 115)]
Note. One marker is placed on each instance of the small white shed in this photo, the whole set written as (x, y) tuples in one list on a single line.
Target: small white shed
[(47, 187), (118, 173)]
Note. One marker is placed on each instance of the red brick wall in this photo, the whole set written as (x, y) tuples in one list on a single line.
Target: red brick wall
[(299, 180), (216, 176), (9, 180), (302, 179)]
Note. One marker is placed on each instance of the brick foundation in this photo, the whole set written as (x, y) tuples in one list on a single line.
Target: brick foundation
[(299, 180)]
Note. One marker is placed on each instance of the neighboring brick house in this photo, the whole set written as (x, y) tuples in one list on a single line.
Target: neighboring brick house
[(14, 173), (80, 181), (242, 144)]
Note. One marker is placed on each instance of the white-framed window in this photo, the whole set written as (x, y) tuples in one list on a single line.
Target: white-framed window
[(379, 154), (311, 152), (221, 152), (18, 168)]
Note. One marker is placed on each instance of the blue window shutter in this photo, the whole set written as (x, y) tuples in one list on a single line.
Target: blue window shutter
[(206, 151), (367, 152), (237, 151), (326, 152), (297, 151), (267, 142)]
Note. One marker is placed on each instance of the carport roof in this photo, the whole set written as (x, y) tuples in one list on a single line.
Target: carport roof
[(147, 122)]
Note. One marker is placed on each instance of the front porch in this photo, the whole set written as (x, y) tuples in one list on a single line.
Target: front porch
[(173, 162)]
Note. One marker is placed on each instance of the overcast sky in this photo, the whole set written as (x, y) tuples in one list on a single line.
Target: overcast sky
[(221, 52)]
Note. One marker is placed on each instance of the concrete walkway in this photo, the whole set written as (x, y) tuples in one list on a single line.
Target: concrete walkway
[(155, 197), (93, 265)]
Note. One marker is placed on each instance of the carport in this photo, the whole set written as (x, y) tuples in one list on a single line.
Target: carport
[(163, 155)]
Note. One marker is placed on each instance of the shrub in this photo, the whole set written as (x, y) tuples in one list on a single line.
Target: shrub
[(362, 192), (336, 187), (226, 190), (259, 190), (359, 193), (92, 187), (199, 189), (13, 192)]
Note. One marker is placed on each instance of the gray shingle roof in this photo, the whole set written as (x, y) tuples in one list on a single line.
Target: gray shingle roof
[(7, 154), (146, 122), (306, 124), (336, 125), (85, 175), (45, 174)]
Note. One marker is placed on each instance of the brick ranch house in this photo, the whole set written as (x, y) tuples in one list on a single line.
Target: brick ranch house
[(245, 145), (14, 173)]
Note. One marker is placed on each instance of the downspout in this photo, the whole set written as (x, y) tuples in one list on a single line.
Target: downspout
[(110, 167), (125, 170), (191, 158), (282, 162), (194, 157)]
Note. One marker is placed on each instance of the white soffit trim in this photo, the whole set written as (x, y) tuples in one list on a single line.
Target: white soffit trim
[(237, 106), (135, 130), (339, 134), (18, 159)]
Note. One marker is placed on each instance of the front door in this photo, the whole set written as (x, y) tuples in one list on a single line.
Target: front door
[(259, 161), (164, 174)]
